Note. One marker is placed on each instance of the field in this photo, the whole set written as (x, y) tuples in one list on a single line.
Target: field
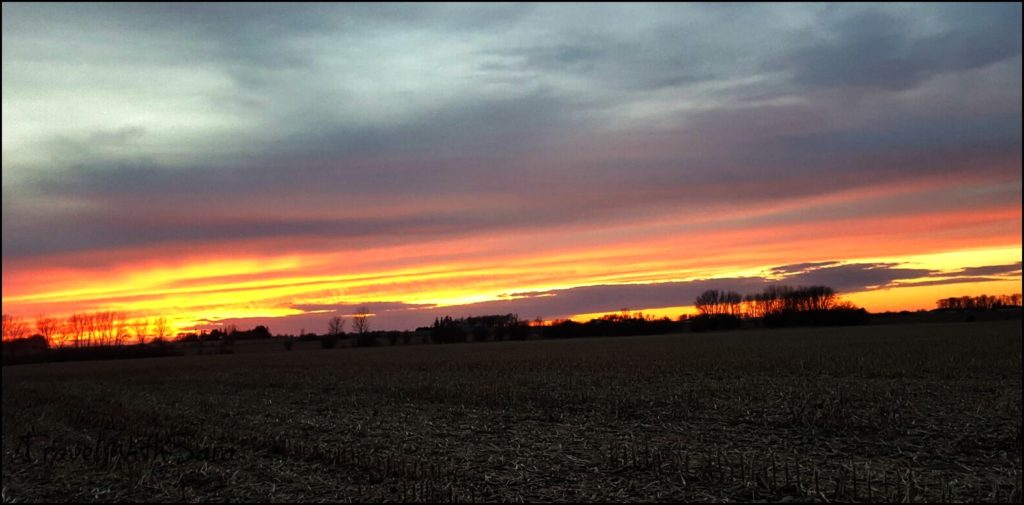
[(924, 412)]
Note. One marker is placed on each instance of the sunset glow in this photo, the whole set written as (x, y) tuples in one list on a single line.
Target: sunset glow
[(480, 162)]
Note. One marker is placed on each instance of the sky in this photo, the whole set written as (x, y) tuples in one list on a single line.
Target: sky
[(280, 164)]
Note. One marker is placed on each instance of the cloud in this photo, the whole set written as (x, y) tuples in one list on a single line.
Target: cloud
[(272, 128), (857, 276), (942, 282), (879, 47), (801, 267), (1011, 269), (560, 303)]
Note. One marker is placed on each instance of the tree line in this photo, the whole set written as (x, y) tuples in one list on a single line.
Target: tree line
[(773, 299), (774, 307), (980, 302), (88, 329), (622, 324), (447, 330)]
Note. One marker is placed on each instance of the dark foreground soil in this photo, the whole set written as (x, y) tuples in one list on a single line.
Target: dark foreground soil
[(928, 412)]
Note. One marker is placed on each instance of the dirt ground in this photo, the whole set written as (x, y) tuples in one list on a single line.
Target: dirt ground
[(923, 412)]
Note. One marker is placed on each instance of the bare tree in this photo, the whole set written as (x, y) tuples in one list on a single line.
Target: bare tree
[(141, 330), (62, 334), (732, 303), (103, 327), (91, 332), (713, 302), (361, 320), (48, 327), (78, 326), (14, 327), (336, 325), (775, 298), (819, 297), (121, 325), (752, 306), (160, 328)]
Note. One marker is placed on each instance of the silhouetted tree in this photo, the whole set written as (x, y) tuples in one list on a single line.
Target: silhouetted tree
[(708, 322), (160, 329), (980, 302), (479, 333), (393, 337), (715, 303), (103, 327), (22, 347), (120, 327), (752, 306), (50, 329), (14, 327), (141, 329), (776, 305), (78, 324), (519, 331), (361, 320), (336, 326), (446, 331), (707, 302)]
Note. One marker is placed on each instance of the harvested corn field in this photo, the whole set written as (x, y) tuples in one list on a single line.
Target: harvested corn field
[(927, 412)]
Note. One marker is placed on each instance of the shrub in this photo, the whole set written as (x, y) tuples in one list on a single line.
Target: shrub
[(447, 331), (831, 317), (366, 339), (480, 333), (716, 322), (518, 331), (328, 341)]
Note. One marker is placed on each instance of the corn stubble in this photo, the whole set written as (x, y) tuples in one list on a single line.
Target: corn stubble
[(912, 413)]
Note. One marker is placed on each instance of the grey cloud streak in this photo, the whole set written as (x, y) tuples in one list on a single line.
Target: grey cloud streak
[(1011, 269), (551, 304), (875, 48)]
